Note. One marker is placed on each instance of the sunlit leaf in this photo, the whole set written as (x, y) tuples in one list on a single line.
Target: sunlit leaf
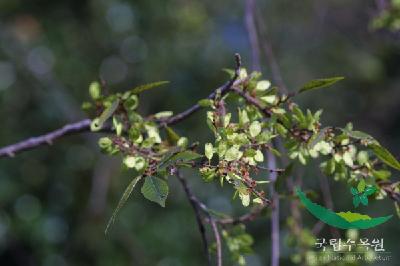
[(95, 90), (163, 115), (209, 150)]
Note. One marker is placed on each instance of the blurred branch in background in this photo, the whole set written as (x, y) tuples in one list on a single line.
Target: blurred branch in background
[(267, 47), (327, 195), (104, 169), (199, 207), (251, 26), (250, 7)]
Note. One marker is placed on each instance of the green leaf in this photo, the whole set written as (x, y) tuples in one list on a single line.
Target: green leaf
[(356, 201), (122, 201), (233, 153), (183, 142), (185, 156), (118, 125), (131, 102), (245, 198), (259, 156), (263, 85), (208, 174), (206, 103), (381, 174), (358, 134), (209, 150), (364, 199), (354, 191), (243, 117), (361, 186), (136, 162), (163, 115), (148, 86), (319, 83), (107, 113), (172, 136), (229, 71), (362, 157), (155, 189), (369, 190), (255, 128), (385, 156), (95, 90)]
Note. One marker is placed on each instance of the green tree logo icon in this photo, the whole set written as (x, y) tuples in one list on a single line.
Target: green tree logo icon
[(361, 193)]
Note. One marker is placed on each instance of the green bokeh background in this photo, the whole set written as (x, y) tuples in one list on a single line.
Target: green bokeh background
[(55, 201)]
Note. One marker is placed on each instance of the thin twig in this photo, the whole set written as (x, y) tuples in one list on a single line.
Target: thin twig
[(217, 240), (271, 60), (252, 32), (197, 207), (277, 170), (253, 101), (274, 213)]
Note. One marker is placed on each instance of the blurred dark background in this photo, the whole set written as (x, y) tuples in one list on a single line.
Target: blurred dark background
[(55, 201)]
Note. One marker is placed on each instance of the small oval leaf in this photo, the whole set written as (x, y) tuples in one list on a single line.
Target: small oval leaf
[(319, 83), (155, 189)]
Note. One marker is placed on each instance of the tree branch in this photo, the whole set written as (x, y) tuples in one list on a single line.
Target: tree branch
[(271, 60), (49, 138), (217, 240), (252, 32), (274, 213), (198, 206), (251, 100), (84, 125)]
